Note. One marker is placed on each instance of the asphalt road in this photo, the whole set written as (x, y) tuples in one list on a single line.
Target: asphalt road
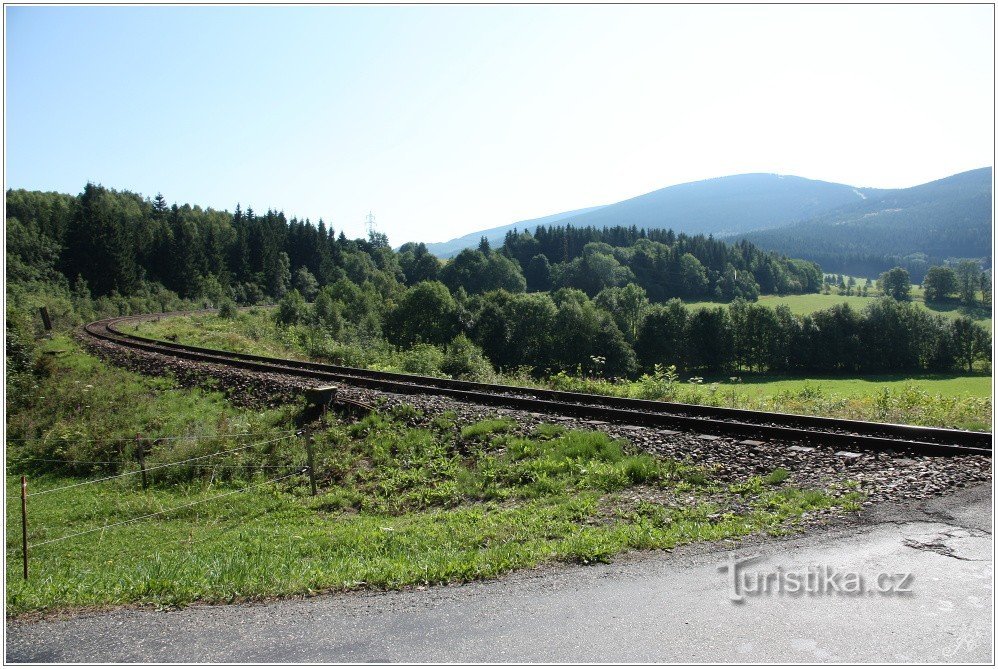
[(648, 607)]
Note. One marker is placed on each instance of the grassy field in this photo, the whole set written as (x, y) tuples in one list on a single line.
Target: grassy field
[(806, 304), (761, 387), (404, 499)]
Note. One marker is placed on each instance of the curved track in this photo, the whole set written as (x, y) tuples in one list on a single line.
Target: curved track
[(701, 419)]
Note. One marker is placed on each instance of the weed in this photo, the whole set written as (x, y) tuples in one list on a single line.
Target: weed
[(486, 428), (776, 477)]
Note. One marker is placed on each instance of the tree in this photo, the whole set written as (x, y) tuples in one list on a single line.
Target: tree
[(626, 305), (968, 279), (426, 314), (280, 276), (585, 337), (102, 240), (939, 283), (661, 339), (692, 275), (970, 342), (515, 329), (538, 273), (327, 313), (709, 338), (896, 283), (417, 263), (159, 207), (306, 284), (480, 272)]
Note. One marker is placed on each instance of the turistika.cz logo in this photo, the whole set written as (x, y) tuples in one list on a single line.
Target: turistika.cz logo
[(812, 580)]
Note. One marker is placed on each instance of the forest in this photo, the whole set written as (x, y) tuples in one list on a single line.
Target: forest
[(592, 301), (914, 228)]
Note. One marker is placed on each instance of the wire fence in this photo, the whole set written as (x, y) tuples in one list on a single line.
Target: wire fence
[(196, 461), (109, 440), (166, 511), (154, 468)]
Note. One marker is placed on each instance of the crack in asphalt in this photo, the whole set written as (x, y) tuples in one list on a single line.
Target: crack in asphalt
[(938, 544)]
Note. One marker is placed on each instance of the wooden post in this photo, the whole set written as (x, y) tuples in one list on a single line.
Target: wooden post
[(24, 524), (142, 458), (46, 321), (311, 460)]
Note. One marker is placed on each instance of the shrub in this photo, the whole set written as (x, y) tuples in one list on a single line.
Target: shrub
[(292, 309), (424, 359), (464, 360), (227, 309)]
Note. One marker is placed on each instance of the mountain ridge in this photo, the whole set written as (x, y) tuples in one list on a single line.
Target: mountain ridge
[(913, 227), (719, 205), (845, 228)]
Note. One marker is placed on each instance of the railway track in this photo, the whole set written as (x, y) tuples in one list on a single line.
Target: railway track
[(714, 421)]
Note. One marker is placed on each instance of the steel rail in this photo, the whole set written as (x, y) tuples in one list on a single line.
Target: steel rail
[(714, 420)]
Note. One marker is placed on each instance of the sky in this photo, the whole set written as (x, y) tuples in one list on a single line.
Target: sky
[(443, 120)]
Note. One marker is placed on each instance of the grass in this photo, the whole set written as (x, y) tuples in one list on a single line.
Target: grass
[(86, 410), (766, 386), (404, 499), (935, 400)]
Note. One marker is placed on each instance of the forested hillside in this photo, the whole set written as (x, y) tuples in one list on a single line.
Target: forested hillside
[(660, 261), (912, 227), (725, 205)]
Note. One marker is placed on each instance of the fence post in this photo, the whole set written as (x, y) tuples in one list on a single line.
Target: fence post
[(142, 458), (24, 524), (46, 321), (311, 460)]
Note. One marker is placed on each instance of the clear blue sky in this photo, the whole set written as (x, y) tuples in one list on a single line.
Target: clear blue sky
[(444, 120)]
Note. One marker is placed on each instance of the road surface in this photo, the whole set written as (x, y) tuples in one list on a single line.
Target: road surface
[(646, 607)]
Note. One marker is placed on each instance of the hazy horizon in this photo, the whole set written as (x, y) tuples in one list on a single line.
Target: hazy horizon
[(446, 120)]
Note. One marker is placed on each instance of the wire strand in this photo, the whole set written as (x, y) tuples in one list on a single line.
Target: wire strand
[(169, 438), (150, 469), (160, 513)]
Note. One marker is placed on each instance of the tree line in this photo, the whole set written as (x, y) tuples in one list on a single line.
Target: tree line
[(621, 334)]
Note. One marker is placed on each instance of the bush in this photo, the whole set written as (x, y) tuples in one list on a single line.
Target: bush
[(292, 309), (464, 360), (227, 309), (423, 359), (20, 353)]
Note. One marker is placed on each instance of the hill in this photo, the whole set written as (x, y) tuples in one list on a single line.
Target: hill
[(914, 227), (495, 236), (725, 205)]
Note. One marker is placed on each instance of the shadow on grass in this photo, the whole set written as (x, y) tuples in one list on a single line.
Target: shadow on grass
[(975, 312)]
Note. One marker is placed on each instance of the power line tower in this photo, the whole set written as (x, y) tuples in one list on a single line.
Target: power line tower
[(369, 224)]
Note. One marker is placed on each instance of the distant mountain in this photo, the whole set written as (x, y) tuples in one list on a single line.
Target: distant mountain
[(914, 227), (725, 205), (496, 235)]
